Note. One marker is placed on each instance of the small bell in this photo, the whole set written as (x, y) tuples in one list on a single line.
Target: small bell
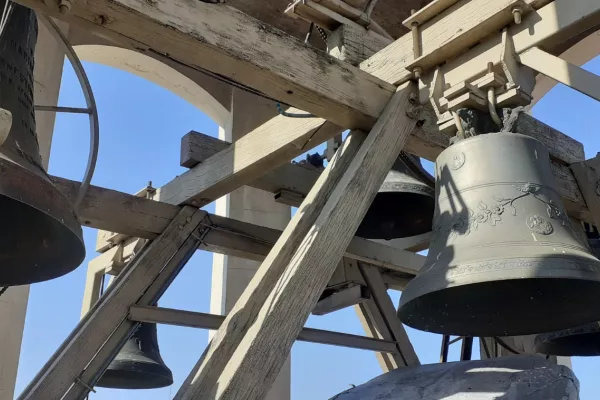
[(403, 206), (139, 364), (504, 259), (42, 238), (579, 341)]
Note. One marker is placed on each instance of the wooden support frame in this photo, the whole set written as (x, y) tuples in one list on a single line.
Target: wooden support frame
[(191, 319), (69, 374), (562, 71), (317, 232)]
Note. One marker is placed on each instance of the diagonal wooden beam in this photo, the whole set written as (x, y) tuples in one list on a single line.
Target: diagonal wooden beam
[(248, 350), (228, 42)]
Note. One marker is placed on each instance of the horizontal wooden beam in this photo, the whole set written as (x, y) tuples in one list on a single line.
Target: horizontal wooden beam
[(134, 216), (272, 144), (159, 315), (225, 41), (197, 147)]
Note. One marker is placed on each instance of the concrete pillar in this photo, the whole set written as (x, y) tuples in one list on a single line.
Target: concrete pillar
[(49, 60), (230, 275)]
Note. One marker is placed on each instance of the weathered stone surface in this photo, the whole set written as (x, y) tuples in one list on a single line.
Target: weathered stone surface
[(505, 378)]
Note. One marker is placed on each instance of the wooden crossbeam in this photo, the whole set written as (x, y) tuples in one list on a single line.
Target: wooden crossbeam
[(247, 351), (62, 371), (159, 315), (232, 44), (139, 217)]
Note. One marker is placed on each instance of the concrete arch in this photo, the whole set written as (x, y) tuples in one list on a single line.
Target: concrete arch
[(208, 94), (579, 54)]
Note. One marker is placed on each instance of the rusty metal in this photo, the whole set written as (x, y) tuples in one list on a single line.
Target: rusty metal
[(504, 258), (42, 238)]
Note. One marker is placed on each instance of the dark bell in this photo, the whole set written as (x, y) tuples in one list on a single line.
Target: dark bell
[(579, 341), (139, 364), (42, 238), (404, 205), (504, 258)]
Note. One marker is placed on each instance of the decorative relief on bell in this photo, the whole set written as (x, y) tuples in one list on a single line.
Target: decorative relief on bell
[(504, 258), (458, 160), (539, 225)]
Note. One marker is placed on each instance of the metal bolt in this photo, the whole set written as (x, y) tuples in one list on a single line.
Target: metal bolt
[(101, 20), (188, 219), (64, 6), (412, 98), (417, 72), (490, 67), (517, 13), (181, 227), (194, 203)]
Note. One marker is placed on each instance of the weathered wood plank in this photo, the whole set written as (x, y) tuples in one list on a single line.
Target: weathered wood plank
[(134, 216), (460, 26), (99, 323), (268, 146), (206, 372), (281, 295), (160, 315), (226, 41), (197, 147), (385, 306)]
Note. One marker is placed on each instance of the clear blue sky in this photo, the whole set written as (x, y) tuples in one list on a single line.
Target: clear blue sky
[(141, 127)]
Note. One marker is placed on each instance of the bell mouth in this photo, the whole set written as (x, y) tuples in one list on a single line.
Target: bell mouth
[(397, 215), (42, 239), (508, 307), (581, 342), (130, 374)]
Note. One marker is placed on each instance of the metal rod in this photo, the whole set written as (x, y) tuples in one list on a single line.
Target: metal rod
[(466, 350), (73, 110), (444, 348), (211, 321), (370, 7), (456, 339), (89, 99)]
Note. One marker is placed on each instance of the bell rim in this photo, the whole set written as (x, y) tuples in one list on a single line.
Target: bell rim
[(557, 342), (130, 368), (587, 270), (50, 202)]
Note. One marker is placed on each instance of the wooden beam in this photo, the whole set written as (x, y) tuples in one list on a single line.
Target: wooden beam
[(197, 147), (134, 216), (454, 25), (385, 306), (562, 71), (97, 326), (232, 44), (244, 357), (159, 315), (270, 145)]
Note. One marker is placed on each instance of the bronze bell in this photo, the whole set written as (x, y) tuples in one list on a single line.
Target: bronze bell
[(42, 238), (504, 259), (138, 365), (579, 341), (403, 206)]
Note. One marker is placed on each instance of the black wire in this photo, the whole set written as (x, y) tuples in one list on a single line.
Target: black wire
[(506, 346), (4, 289), (291, 115)]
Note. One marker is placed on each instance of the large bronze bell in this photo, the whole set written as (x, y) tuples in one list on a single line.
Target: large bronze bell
[(42, 238), (504, 259), (578, 341), (138, 365), (403, 206)]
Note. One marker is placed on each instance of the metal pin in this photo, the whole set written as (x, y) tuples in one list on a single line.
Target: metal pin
[(85, 385)]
